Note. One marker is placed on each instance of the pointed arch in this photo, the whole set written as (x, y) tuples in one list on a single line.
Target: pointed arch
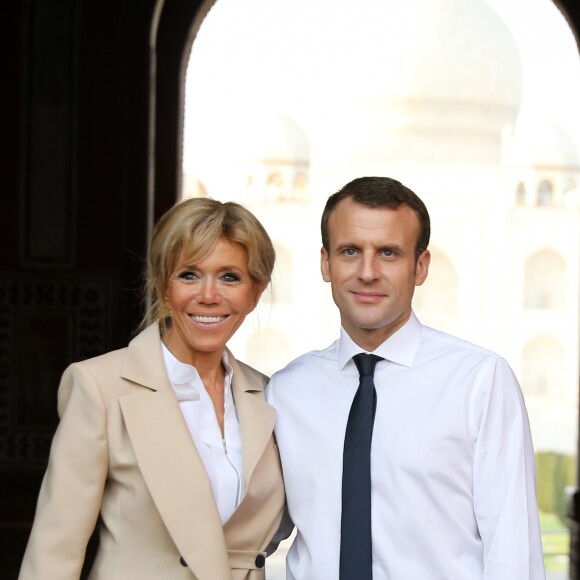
[(545, 193), (173, 29)]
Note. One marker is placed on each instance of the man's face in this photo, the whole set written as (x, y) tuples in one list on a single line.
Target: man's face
[(371, 268)]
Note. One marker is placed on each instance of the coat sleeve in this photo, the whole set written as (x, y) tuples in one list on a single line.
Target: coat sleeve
[(71, 492), (504, 481), (286, 526)]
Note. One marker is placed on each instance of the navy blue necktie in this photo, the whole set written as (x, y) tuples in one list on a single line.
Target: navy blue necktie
[(356, 556)]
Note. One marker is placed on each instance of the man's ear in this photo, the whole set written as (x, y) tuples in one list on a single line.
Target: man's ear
[(324, 265), (422, 267)]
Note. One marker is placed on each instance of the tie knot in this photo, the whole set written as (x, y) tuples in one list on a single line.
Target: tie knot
[(365, 363)]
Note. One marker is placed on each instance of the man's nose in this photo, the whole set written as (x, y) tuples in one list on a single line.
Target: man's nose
[(368, 269)]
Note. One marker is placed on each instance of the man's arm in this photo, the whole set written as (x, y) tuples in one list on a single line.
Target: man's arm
[(504, 478)]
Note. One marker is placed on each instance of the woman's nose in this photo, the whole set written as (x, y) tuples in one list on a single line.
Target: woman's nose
[(209, 292)]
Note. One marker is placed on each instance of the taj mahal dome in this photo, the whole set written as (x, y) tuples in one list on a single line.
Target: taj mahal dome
[(432, 95)]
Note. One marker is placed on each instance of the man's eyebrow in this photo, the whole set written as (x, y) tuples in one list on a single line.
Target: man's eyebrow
[(397, 248), (392, 248), (345, 245)]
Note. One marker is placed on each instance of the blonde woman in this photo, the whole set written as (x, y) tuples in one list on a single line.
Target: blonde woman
[(166, 445)]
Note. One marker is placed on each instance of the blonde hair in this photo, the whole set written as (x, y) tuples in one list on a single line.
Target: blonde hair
[(196, 225)]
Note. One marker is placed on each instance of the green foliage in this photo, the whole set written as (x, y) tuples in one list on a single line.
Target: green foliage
[(555, 472), (555, 541)]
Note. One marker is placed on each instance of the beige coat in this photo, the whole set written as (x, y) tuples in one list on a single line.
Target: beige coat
[(123, 451)]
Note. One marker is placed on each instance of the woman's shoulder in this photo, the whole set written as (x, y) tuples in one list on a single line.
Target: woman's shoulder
[(101, 370), (114, 360), (107, 359)]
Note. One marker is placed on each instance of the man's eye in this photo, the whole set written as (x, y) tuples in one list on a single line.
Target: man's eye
[(388, 253), (187, 275), (349, 252), (231, 277)]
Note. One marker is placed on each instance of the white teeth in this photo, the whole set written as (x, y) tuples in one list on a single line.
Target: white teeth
[(208, 319)]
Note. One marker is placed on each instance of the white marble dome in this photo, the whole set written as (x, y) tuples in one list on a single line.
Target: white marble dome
[(442, 51), (440, 82), (273, 138), (538, 141)]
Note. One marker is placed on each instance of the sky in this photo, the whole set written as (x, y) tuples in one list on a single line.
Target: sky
[(253, 57)]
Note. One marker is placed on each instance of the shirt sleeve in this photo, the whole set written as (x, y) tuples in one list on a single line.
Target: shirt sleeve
[(504, 480), (71, 492)]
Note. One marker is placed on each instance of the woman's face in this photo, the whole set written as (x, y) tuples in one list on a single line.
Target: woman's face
[(209, 300)]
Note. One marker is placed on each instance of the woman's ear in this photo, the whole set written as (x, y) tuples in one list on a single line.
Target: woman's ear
[(259, 290)]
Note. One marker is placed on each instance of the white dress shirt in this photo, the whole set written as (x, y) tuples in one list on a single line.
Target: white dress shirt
[(221, 456), (452, 463)]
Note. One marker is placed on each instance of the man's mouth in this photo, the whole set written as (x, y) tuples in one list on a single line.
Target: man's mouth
[(368, 297)]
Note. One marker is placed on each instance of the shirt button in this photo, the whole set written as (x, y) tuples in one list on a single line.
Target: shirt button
[(260, 561), (182, 561)]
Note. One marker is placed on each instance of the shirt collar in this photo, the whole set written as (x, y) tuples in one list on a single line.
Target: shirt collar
[(400, 348)]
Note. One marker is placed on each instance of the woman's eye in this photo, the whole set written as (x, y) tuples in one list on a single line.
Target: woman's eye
[(187, 275), (231, 277)]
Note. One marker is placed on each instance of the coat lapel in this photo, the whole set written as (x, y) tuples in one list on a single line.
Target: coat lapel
[(256, 417), (169, 462)]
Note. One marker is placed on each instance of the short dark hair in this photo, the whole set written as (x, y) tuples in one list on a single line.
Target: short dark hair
[(379, 192)]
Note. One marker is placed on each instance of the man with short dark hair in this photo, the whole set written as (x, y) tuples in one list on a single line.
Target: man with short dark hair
[(406, 451)]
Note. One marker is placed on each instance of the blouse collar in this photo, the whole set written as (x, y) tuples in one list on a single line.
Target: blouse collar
[(184, 376)]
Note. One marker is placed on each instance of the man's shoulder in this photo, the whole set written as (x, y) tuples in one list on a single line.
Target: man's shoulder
[(455, 346), (308, 362)]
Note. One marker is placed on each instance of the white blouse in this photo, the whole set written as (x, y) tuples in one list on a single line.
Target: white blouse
[(221, 456)]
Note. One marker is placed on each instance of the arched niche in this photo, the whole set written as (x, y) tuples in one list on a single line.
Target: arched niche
[(545, 193)]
